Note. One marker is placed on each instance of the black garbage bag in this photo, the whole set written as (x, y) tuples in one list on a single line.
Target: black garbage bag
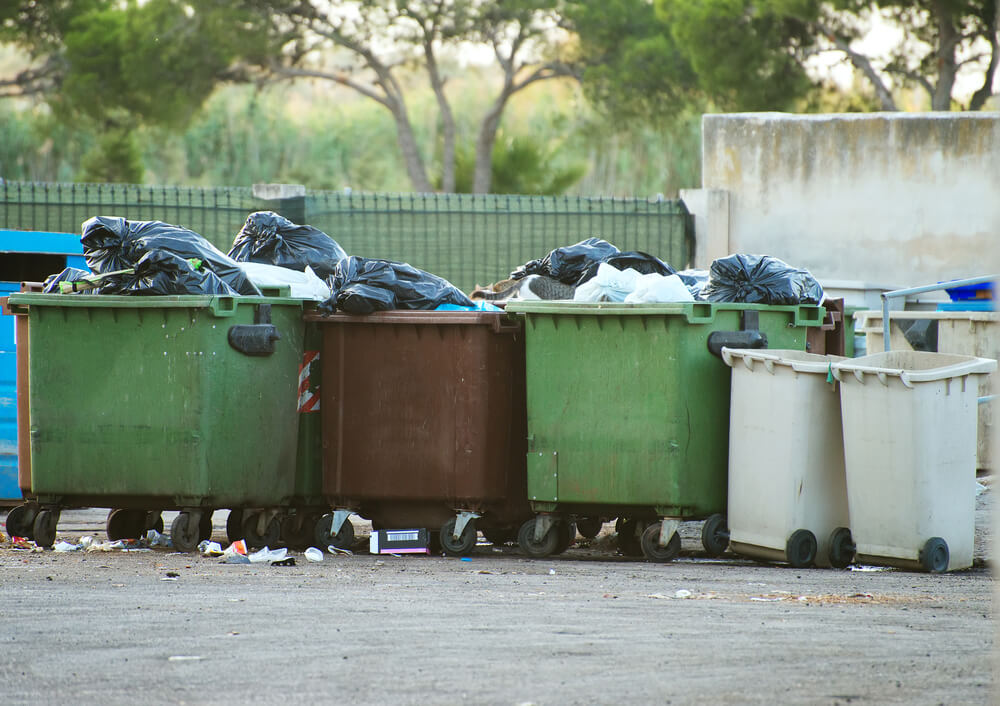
[(568, 263), (70, 274), (272, 239), (695, 281), (363, 285), (161, 273), (760, 279), (641, 262), (111, 244)]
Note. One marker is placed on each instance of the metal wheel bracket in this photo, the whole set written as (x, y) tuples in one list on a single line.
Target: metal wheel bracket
[(461, 522), (264, 518), (667, 529), (339, 518), (194, 516), (543, 523)]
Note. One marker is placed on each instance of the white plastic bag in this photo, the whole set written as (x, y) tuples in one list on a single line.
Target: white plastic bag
[(304, 285), (659, 288), (609, 285)]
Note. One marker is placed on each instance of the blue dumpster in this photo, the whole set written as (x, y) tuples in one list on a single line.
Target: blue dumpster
[(25, 256)]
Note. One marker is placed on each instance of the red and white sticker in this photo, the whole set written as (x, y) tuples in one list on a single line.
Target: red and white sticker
[(308, 396)]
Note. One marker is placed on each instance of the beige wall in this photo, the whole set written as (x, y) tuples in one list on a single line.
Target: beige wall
[(906, 199)]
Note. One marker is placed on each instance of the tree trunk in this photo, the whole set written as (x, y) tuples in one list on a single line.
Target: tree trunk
[(947, 68), (985, 91), (483, 175), (447, 123), (415, 168)]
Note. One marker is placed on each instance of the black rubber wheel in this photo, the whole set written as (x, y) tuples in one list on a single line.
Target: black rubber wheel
[(800, 550), (205, 526), (537, 549), (184, 533), (934, 555), (499, 536), (270, 537), (841, 548), (298, 531), (566, 532), (44, 527), (21, 520), (462, 546), (234, 526), (715, 535), (154, 521), (125, 524), (589, 527), (322, 529), (629, 543), (651, 549)]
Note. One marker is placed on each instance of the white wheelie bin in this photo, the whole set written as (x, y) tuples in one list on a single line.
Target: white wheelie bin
[(787, 488), (910, 453)]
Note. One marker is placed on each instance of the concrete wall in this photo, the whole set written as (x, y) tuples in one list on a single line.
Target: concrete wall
[(895, 198)]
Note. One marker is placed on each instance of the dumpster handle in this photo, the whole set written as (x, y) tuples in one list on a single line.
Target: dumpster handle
[(505, 325)]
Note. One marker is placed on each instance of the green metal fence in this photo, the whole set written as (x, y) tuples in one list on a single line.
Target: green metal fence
[(467, 239)]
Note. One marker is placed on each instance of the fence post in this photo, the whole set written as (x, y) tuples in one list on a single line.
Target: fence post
[(288, 200)]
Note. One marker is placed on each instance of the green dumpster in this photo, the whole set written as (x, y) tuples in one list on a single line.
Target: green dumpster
[(628, 415), (175, 402)]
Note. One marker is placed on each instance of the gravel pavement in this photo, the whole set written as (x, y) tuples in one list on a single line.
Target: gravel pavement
[(586, 627)]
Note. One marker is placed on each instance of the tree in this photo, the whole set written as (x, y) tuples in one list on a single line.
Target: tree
[(368, 44), (739, 48)]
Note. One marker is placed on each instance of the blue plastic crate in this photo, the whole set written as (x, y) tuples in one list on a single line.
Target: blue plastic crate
[(983, 290)]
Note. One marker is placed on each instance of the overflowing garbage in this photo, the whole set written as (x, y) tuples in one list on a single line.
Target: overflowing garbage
[(112, 244), (760, 279), (363, 285), (271, 239)]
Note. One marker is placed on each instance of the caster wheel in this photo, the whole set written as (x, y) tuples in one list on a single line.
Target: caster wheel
[(44, 527), (322, 529), (499, 536), (184, 533), (841, 548), (270, 537), (715, 535), (651, 548), (567, 535), (589, 527), (934, 555), (234, 526), (298, 530), (462, 546), (154, 521), (125, 524), (21, 520), (205, 526), (541, 548), (629, 543), (800, 550)]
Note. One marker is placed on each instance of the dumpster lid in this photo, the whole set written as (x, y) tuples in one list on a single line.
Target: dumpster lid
[(694, 312), (799, 361), (914, 366)]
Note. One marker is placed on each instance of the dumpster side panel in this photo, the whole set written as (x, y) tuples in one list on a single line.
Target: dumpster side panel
[(417, 413), (153, 405), (9, 490), (635, 405)]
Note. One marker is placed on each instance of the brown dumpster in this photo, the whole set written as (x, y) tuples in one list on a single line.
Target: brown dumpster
[(423, 417)]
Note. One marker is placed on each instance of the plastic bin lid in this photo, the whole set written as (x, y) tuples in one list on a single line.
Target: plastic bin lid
[(799, 361), (914, 366)]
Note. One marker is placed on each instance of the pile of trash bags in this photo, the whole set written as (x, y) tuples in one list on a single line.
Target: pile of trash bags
[(150, 258), (600, 272)]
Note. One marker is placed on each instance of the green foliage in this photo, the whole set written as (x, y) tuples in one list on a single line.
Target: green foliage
[(633, 67), (522, 164), (738, 49), (114, 158)]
